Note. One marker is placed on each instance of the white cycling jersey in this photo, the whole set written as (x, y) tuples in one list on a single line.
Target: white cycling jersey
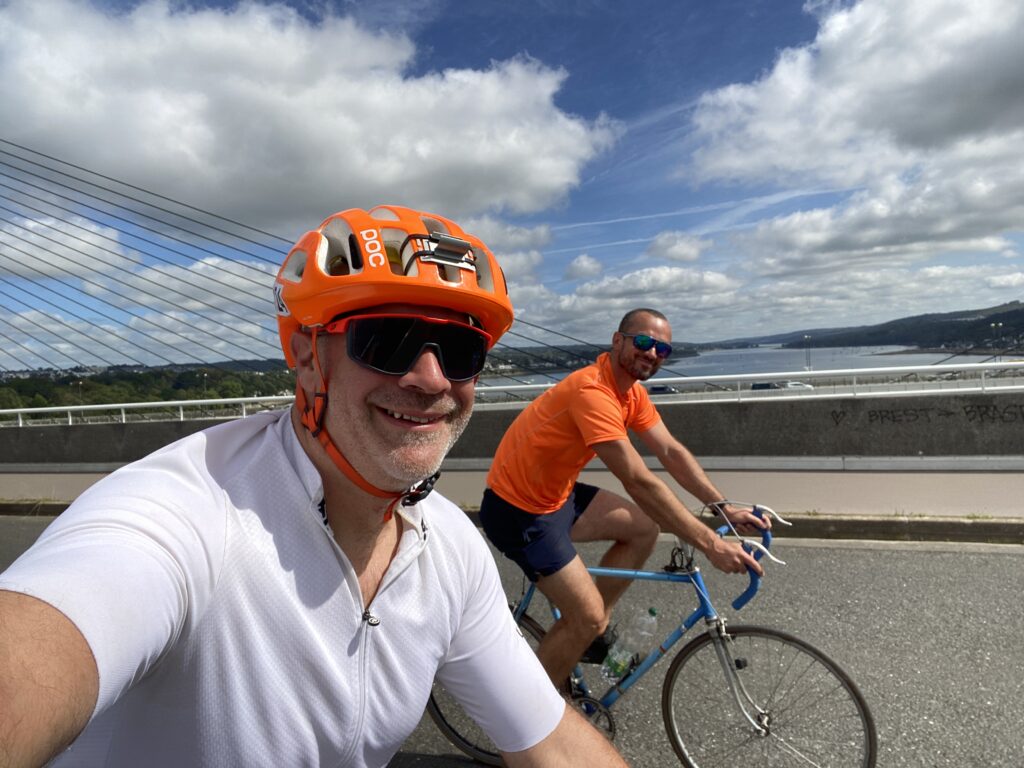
[(228, 627)]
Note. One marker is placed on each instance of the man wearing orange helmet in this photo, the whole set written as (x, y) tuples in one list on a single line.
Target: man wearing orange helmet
[(283, 589)]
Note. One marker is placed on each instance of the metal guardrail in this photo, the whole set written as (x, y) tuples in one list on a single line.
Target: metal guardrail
[(849, 382), (162, 410), (845, 382)]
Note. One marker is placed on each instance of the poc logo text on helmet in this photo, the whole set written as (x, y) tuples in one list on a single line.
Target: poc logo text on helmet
[(375, 254)]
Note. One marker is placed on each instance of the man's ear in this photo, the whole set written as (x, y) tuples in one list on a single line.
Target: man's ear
[(301, 344)]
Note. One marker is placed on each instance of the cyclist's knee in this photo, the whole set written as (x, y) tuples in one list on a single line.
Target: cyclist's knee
[(593, 626), (588, 620), (644, 533)]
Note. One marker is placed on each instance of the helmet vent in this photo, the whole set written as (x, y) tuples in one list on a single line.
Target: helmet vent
[(356, 254), (294, 266), (337, 264)]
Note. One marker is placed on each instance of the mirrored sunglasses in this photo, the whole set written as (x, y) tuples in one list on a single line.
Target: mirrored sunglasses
[(392, 344), (643, 342)]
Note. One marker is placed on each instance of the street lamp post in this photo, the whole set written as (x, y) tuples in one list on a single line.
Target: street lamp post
[(807, 352), (997, 336)]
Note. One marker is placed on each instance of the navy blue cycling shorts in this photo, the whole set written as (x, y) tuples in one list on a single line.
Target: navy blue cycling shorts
[(540, 544)]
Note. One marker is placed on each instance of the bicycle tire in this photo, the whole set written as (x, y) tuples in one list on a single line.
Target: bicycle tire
[(816, 714), (458, 727)]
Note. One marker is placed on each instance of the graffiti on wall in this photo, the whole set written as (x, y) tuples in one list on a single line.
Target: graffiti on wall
[(972, 414)]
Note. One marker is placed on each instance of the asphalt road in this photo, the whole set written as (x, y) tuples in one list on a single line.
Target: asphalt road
[(931, 632)]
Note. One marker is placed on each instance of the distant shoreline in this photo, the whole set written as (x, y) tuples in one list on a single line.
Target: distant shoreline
[(977, 351)]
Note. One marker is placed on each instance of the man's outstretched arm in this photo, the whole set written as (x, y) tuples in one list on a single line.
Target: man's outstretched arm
[(683, 466), (574, 742), (48, 681), (659, 503)]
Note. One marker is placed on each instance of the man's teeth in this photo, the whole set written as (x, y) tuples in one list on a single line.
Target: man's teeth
[(415, 419)]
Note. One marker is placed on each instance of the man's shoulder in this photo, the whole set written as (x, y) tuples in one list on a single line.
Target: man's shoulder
[(584, 380), (203, 459), (450, 524), (441, 512)]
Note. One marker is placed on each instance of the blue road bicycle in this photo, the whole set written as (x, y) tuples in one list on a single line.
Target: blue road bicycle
[(734, 695)]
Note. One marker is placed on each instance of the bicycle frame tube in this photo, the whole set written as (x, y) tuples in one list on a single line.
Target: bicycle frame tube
[(524, 602), (736, 687), (705, 611)]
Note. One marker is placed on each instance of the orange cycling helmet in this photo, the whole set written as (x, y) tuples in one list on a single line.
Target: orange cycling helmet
[(357, 259)]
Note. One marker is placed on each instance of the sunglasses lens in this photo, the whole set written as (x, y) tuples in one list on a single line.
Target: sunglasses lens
[(393, 344), (643, 342)]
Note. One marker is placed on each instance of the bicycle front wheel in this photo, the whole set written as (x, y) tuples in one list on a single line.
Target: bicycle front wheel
[(810, 712), (458, 727)]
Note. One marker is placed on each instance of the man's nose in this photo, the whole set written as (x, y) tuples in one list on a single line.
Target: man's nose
[(426, 374)]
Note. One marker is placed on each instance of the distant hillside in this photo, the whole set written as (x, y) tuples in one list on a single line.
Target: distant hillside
[(965, 329), (995, 328)]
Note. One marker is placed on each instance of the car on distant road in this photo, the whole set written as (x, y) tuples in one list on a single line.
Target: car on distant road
[(781, 385), (662, 389)]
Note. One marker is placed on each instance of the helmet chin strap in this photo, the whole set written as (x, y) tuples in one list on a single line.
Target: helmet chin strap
[(312, 418)]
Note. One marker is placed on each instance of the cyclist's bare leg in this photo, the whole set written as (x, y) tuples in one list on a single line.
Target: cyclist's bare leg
[(583, 618), (611, 517)]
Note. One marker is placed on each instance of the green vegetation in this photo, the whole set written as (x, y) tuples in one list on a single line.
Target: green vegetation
[(115, 385)]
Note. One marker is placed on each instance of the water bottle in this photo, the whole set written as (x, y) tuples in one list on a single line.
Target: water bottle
[(634, 642)]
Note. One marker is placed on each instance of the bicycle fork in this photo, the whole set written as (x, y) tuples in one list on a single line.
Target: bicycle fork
[(730, 666)]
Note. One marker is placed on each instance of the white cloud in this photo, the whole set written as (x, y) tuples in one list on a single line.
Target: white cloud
[(500, 235), (677, 246), (44, 246), (312, 118), (657, 282), (583, 266), (519, 266), (1011, 280), (883, 86), (920, 104)]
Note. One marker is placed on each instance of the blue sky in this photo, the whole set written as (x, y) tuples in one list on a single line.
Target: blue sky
[(747, 167)]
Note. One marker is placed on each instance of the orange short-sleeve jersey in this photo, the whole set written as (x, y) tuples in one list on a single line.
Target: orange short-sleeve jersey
[(549, 443)]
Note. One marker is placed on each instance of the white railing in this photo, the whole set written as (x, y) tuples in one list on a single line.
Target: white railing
[(851, 382), (845, 382), (162, 410)]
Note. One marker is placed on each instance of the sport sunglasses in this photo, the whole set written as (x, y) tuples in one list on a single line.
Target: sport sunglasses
[(393, 343), (643, 342)]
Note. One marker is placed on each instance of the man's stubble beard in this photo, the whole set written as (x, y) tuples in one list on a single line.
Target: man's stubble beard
[(411, 470), (417, 456)]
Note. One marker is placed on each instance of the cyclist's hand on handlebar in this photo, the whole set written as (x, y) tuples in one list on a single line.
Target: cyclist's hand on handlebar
[(731, 557), (745, 521)]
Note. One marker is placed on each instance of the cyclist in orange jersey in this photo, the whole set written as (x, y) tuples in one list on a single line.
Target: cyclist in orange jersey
[(534, 508)]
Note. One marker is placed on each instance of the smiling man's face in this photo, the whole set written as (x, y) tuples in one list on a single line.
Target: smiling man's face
[(394, 429), (640, 365)]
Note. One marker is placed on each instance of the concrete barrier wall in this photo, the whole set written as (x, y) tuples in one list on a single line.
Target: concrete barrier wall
[(91, 443), (939, 425), (935, 425)]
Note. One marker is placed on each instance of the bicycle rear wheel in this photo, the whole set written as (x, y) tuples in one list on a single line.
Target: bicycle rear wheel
[(812, 712), (458, 727)]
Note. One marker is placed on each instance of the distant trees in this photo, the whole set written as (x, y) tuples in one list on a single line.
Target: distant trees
[(49, 389), (9, 398)]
